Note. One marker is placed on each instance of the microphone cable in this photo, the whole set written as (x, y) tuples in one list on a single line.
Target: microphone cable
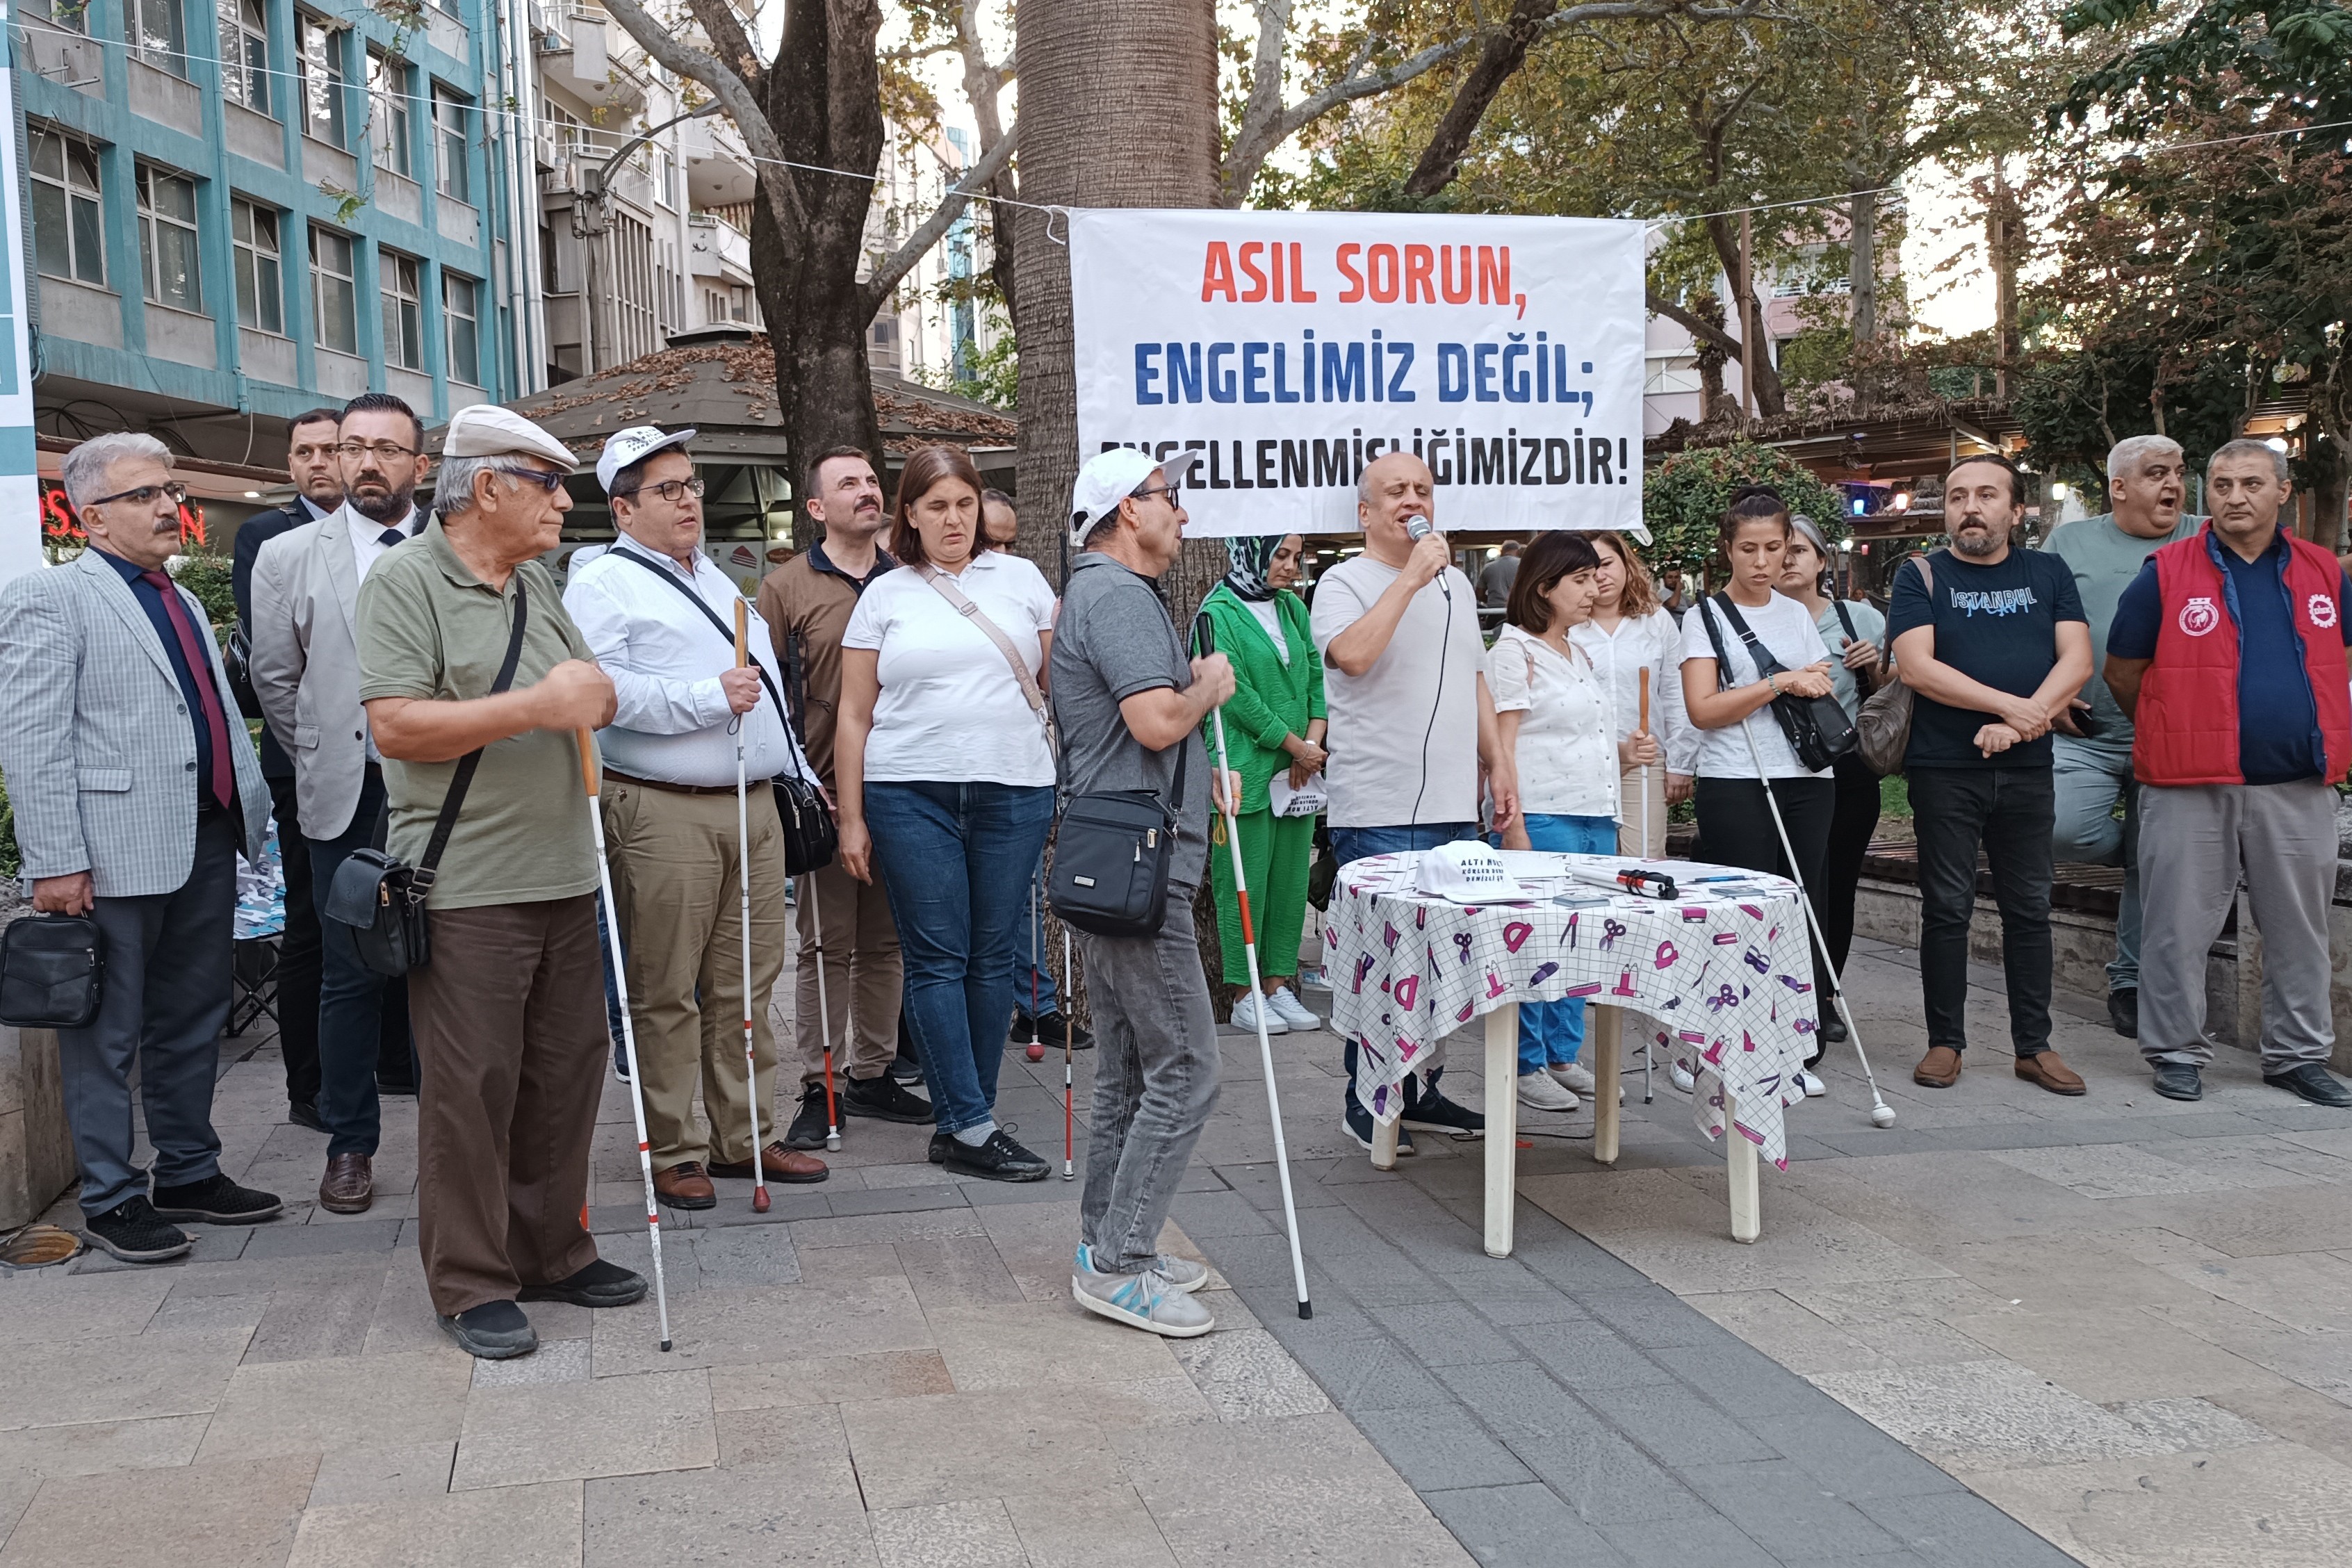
[(1418, 530)]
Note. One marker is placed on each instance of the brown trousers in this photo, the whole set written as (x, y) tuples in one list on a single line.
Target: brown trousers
[(863, 977), (509, 1025), (678, 889)]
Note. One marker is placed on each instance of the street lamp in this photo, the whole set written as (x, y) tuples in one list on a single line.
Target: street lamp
[(591, 220)]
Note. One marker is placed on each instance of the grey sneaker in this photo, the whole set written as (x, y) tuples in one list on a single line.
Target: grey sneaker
[(1148, 1300), (1181, 1272)]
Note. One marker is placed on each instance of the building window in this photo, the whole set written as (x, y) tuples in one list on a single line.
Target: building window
[(260, 282), (245, 54), (158, 35), (461, 308), (73, 16), (321, 57), (334, 301), (401, 281), (451, 118), (68, 222), (167, 240), (389, 129)]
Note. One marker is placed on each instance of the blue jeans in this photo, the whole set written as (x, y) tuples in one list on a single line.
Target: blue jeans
[(2089, 779), (958, 859), (1361, 843), (350, 995), (1029, 967), (1552, 1033)]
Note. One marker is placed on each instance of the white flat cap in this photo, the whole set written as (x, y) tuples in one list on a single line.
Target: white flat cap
[(486, 430)]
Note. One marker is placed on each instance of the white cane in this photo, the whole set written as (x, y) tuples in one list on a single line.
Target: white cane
[(743, 877), (1257, 1007), (628, 1027), (1646, 1041), (1069, 1026)]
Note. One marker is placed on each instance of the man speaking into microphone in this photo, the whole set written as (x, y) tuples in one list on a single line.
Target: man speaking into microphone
[(1413, 724)]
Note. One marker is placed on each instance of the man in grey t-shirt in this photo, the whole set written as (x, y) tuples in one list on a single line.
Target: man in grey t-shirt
[(1129, 706), (2092, 757)]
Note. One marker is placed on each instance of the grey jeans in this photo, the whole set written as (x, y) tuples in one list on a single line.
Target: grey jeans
[(1155, 1082), (2090, 778), (2196, 843), (167, 991)]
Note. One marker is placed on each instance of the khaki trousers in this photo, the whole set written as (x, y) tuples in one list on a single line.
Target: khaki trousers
[(1629, 831), (863, 976), (678, 893), (510, 1025)]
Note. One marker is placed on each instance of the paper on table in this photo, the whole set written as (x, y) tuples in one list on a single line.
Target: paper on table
[(1309, 801)]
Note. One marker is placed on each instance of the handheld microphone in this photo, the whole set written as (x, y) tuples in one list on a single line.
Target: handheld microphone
[(1419, 529)]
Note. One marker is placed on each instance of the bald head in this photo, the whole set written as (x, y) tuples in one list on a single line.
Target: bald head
[(1396, 489)]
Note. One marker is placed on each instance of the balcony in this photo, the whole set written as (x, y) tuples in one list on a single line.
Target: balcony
[(56, 55), (580, 60), (717, 248), (719, 170)]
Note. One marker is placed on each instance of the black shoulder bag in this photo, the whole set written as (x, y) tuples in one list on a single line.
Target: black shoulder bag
[(52, 972), (810, 836), (1817, 727), (380, 900)]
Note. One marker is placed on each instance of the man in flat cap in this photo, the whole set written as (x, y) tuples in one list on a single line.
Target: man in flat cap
[(465, 651)]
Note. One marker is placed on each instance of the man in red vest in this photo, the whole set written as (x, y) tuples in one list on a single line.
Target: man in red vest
[(2227, 652)]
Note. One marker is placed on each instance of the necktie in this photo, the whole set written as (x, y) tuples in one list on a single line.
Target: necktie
[(200, 670), (390, 536)]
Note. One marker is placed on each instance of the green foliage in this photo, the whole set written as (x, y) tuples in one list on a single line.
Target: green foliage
[(207, 577), (1815, 357), (1685, 498)]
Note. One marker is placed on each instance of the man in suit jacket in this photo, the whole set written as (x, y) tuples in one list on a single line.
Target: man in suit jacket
[(134, 786), (316, 464), (305, 670)]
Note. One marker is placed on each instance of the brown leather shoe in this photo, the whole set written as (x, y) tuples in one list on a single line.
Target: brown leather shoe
[(782, 1165), (685, 1187), (349, 1186), (1939, 1068), (2045, 1069)]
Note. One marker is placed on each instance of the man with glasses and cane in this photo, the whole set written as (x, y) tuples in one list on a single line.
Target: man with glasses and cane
[(657, 615)]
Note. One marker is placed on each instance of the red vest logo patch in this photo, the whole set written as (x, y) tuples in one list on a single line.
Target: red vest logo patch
[(2321, 610), (2198, 616)]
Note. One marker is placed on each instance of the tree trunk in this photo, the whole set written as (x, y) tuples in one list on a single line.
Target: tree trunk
[(2004, 237), (2329, 460), (1771, 398), (1862, 238)]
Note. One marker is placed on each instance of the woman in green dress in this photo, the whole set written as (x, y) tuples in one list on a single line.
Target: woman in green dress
[(1273, 726)]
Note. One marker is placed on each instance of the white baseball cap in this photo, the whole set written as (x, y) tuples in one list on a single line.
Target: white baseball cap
[(1466, 872), (1109, 477), (486, 430), (635, 445)]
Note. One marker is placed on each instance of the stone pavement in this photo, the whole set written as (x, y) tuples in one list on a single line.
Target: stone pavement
[(2120, 1320)]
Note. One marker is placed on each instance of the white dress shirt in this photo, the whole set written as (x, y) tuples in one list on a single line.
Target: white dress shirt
[(1566, 754), (1651, 642), (673, 724), (367, 536)]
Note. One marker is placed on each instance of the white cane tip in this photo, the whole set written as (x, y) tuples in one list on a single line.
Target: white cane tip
[(833, 1140), (1882, 1116)]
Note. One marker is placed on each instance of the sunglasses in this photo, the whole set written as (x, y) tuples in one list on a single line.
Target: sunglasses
[(546, 480)]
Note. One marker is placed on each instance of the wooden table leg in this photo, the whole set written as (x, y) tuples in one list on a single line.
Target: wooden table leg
[(1746, 1200), (1604, 1034), (1502, 1125), (1384, 1144)]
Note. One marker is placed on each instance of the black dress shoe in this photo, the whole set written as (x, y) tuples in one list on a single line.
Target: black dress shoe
[(495, 1331), (998, 1160), (132, 1231), (811, 1122), (940, 1144), (1049, 1029), (2314, 1083), (884, 1099), (2179, 1080), (216, 1200), (1432, 1113), (601, 1284), (305, 1113), (2123, 1011)]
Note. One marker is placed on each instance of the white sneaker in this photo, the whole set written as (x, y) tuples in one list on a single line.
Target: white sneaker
[(1181, 1272), (1576, 1075), (1249, 1008), (1683, 1079), (1812, 1086), (1291, 1011), (1148, 1300), (1540, 1091)]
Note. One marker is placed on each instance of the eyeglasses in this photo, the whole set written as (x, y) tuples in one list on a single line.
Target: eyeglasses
[(671, 491), (1170, 491), (384, 451), (143, 496), (549, 479)]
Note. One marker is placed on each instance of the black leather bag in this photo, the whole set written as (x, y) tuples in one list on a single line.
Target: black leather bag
[(811, 837), (236, 659), (1111, 856), (1817, 727), (52, 971), (380, 900)]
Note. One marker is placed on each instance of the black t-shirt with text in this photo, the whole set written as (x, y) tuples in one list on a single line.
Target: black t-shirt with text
[(1996, 625)]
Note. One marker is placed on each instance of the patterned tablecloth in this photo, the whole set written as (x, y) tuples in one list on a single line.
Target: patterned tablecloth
[(1720, 973)]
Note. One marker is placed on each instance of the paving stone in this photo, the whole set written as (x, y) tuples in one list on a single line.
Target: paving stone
[(1587, 1354), (1359, 1365), (95, 1447), (1988, 1414), (809, 1442), (1846, 1455), (1510, 1525), (2274, 1506), (1098, 1527), (514, 1527), (44, 1306), (864, 1230), (1444, 1333), (704, 1519), (956, 1271), (1785, 1511), (1245, 1374), (229, 1512), (2191, 1424), (1675, 1426), (896, 1200), (920, 1451), (948, 1535), (567, 1431), (1443, 1447), (749, 1326), (1580, 1454), (830, 1380), (1958, 1529), (312, 1407), (378, 1473), (746, 1255), (555, 1360), (1651, 1317), (1705, 1538), (1026, 1343), (308, 1240), (119, 1379), (1223, 1214)]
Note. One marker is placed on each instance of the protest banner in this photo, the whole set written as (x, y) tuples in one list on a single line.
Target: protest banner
[(1291, 349)]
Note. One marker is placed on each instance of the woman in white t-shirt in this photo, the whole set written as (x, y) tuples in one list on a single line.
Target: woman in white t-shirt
[(946, 779), (1552, 710), (1628, 632), (1730, 708)]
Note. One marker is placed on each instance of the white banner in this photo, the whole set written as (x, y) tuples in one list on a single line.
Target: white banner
[(1291, 349)]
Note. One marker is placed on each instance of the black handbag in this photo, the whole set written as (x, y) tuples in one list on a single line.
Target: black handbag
[(380, 900), (811, 837), (1817, 727), (1111, 854), (237, 661), (52, 971)]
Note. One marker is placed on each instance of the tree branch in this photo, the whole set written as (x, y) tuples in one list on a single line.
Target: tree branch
[(742, 106), (1257, 142), (1699, 327), (724, 28), (984, 86), (902, 261)]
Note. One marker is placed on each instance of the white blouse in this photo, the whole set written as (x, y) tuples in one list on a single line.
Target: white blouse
[(1567, 752), (1651, 642)]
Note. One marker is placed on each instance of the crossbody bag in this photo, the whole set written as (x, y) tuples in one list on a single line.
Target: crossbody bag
[(811, 835), (1884, 724), (1818, 731), (946, 589), (381, 900)]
